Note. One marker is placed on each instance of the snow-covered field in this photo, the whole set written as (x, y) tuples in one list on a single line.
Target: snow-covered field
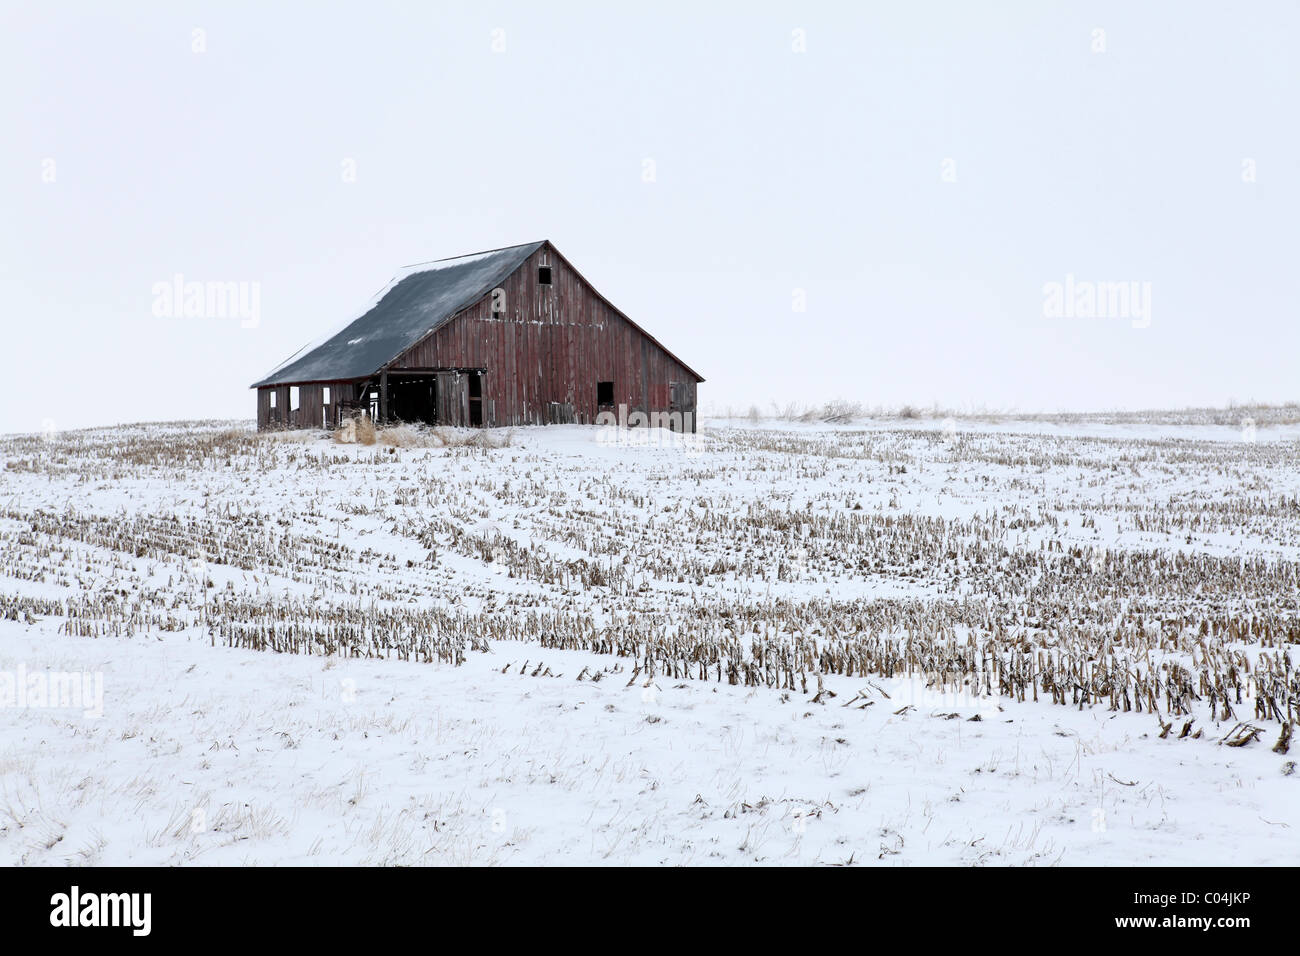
[(886, 643)]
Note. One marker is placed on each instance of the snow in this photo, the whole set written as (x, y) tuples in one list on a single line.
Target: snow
[(293, 760), (218, 755), (437, 264)]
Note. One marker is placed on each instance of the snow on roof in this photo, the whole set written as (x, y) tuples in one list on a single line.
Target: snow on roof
[(414, 303)]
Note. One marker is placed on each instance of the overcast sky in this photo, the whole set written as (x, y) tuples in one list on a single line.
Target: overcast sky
[(804, 201)]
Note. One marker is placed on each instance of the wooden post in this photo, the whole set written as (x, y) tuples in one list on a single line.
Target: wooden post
[(383, 397)]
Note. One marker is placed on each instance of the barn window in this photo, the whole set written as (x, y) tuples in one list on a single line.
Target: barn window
[(604, 393), (293, 398), (543, 275), (273, 400)]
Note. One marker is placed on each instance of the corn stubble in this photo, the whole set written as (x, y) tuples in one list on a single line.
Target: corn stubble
[(1080, 572)]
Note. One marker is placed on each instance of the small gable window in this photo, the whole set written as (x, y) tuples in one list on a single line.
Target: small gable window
[(543, 275)]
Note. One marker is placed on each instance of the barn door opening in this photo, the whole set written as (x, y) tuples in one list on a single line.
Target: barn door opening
[(476, 399), (413, 399)]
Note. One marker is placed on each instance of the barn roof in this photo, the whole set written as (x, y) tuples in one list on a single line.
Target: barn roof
[(417, 301)]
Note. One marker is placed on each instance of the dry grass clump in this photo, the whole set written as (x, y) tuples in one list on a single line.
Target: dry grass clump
[(356, 431), (299, 436), (474, 438), (365, 430), (407, 436), (404, 436), (362, 430), (494, 439)]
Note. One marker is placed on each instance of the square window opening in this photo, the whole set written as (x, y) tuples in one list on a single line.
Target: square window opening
[(543, 275), (604, 393)]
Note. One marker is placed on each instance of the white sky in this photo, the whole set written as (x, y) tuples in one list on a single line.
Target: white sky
[(775, 171)]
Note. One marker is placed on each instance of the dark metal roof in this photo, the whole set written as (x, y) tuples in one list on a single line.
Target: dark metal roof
[(410, 308)]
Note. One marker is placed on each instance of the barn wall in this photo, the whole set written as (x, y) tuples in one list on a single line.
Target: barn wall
[(263, 409), (308, 412), (552, 344), (311, 412)]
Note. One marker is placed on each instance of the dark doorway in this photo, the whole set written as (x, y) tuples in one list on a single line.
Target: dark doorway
[(413, 399), (475, 399), (604, 394)]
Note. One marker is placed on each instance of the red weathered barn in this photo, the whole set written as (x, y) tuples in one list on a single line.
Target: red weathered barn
[(511, 336)]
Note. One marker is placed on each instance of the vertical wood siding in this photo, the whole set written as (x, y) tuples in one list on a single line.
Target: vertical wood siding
[(551, 344), (311, 411)]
